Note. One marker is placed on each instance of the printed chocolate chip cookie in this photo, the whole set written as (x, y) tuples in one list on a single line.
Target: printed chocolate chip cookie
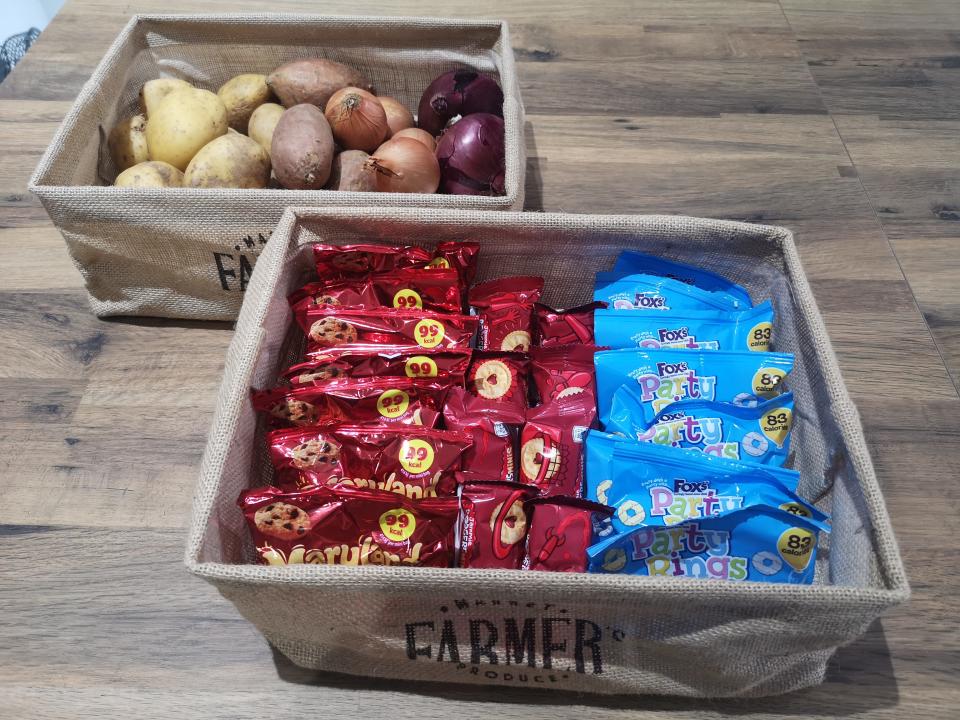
[(330, 331), (355, 261), (313, 453), (282, 521), (513, 524), (320, 374), (295, 411), (325, 300)]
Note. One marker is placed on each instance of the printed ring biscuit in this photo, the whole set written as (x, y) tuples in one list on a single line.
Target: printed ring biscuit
[(314, 452), (492, 379), (614, 560), (281, 520), (537, 462), (330, 331), (296, 411), (513, 529), (766, 563), (516, 341)]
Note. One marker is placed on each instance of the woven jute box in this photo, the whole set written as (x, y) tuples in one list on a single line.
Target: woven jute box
[(188, 253), (593, 633)]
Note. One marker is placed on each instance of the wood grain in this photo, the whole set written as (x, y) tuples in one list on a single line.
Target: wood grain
[(703, 107)]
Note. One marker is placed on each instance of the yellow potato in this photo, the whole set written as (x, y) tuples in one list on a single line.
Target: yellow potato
[(155, 90), (230, 161), (241, 96), (182, 123), (128, 142), (153, 173), (262, 123)]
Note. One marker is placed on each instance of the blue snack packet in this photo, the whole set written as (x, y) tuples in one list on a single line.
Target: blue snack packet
[(668, 376), (755, 434), (602, 485), (655, 293), (631, 261), (760, 544), (749, 330)]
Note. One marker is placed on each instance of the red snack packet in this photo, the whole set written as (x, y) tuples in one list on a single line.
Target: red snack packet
[(413, 461), (457, 255), (419, 289), (499, 378), (562, 327), (562, 371), (551, 445), (560, 531), (494, 434), (342, 293), (493, 523), (361, 527), (381, 400), (330, 327), (356, 261), (334, 364), (505, 307)]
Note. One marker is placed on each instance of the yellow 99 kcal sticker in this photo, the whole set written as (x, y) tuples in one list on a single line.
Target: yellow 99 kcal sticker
[(393, 403), (440, 263), (776, 425), (420, 366), (407, 299), (428, 333), (796, 547), (416, 456), (398, 524), (758, 340), (766, 381)]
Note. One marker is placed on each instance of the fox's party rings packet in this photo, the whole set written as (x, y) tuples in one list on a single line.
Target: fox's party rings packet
[(758, 543), (749, 330), (668, 376), (758, 433), (655, 294), (631, 261)]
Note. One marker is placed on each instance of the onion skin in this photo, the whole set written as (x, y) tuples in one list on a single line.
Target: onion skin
[(404, 165), (420, 136), (398, 117), (357, 119), (458, 92), (472, 156)]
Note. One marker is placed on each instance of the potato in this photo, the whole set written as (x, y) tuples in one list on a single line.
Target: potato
[(302, 148), (241, 96), (128, 142), (262, 123), (347, 173), (155, 90), (182, 123), (229, 161), (312, 81), (150, 174)]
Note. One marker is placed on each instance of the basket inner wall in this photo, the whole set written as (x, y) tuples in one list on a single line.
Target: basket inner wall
[(567, 256)]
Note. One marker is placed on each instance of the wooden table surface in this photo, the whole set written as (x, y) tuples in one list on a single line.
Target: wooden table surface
[(842, 124)]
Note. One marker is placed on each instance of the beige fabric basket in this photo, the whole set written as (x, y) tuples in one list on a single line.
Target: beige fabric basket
[(188, 253), (601, 634)]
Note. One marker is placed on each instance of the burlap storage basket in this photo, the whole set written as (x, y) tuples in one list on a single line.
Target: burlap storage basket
[(188, 253), (593, 633)]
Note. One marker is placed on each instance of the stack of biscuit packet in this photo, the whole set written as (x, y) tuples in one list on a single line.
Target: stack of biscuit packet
[(437, 422)]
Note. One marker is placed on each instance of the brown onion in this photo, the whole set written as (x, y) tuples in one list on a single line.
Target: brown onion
[(357, 119), (405, 165), (419, 135), (398, 117)]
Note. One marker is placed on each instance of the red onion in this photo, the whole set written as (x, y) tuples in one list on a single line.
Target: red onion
[(458, 92), (471, 156)]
